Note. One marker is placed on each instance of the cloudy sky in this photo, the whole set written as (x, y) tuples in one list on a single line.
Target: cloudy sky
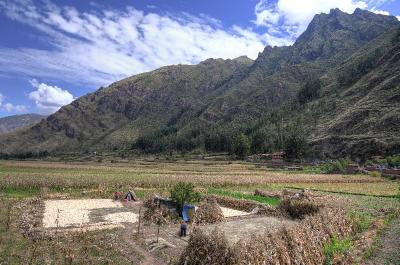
[(52, 52)]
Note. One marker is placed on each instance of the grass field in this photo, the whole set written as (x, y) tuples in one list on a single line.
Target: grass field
[(366, 198)]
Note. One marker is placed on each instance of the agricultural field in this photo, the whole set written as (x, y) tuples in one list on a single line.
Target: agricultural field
[(63, 212)]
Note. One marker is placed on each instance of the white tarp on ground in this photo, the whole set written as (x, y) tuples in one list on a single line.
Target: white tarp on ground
[(67, 213), (228, 212)]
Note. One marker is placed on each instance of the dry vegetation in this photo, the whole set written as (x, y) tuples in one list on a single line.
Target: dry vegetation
[(164, 174), (303, 240), (300, 244)]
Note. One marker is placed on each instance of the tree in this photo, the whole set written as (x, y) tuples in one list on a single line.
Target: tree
[(296, 145), (309, 91), (184, 193), (241, 146), (262, 141)]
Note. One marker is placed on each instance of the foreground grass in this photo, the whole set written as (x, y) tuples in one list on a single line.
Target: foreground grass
[(335, 248)]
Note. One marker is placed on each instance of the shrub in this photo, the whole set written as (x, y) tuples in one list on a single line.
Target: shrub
[(184, 193), (361, 221), (336, 166), (375, 174)]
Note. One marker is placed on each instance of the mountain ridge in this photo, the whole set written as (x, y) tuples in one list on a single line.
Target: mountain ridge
[(12, 123), (181, 105)]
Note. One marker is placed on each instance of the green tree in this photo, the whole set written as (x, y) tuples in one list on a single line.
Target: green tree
[(296, 145), (262, 141), (241, 146), (183, 193), (309, 91)]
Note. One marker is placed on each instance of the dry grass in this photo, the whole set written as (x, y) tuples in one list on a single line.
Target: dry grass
[(300, 244), (157, 174)]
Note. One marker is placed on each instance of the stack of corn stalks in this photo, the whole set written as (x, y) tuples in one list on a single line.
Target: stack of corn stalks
[(155, 213), (300, 244), (212, 248), (208, 213), (298, 209)]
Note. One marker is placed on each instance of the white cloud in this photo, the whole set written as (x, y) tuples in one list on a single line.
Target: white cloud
[(398, 18), (9, 107), (292, 16), (380, 12), (49, 99), (102, 46)]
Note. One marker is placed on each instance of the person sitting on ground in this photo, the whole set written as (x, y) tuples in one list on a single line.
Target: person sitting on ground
[(183, 228), (117, 195)]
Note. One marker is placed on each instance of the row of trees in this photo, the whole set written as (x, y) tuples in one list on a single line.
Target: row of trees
[(239, 143), (25, 155)]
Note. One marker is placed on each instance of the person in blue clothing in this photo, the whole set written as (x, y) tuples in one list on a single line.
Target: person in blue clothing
[(183, 228)]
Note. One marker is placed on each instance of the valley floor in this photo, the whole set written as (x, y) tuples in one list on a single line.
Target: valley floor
[(25, 186)]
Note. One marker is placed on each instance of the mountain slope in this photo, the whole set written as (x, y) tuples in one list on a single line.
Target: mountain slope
[(113, 117), (178, 107), (15, 122)]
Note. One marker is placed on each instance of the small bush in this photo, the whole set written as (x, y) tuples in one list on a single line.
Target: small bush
[(336, 166), (362, 221), (375, 174), (297, 209), (336, 248)]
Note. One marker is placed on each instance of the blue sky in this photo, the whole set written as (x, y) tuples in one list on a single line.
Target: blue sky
[(52, 52)]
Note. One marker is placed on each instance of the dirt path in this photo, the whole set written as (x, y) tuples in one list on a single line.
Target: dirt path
[(146, 257), (388, 253)]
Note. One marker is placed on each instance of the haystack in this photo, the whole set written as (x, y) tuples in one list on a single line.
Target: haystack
[(208, 213)]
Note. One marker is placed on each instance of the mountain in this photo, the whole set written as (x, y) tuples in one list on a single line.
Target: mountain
[(339, 82), (15, 122)]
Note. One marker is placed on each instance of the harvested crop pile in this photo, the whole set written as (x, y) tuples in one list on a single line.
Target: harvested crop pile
[(208, 213), (300, 244), (298, 209), (243, 205), (30, 219), (285, 194), (155, 213), (293, 195), (205, 248), (267, 194)]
